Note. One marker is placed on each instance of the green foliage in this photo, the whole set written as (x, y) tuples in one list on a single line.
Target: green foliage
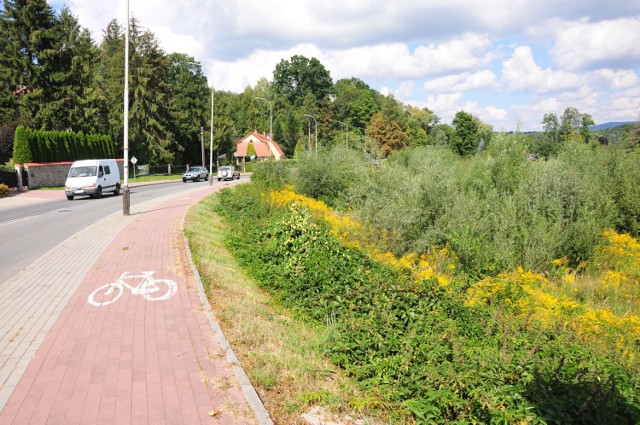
[(251, 150), (498, 210), (189, 102), (273, 174), (466, 139), (52, 146), (22, 153), (329, 175), (294, 78), (387, 134), (414, 346), (300, 150)]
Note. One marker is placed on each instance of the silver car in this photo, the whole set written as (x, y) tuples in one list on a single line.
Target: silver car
[(196, 174), (228, 172)]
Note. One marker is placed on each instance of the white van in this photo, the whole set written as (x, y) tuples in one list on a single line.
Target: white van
[(92, 177)]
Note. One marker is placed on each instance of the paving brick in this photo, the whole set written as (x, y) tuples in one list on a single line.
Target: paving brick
[(134, 361)]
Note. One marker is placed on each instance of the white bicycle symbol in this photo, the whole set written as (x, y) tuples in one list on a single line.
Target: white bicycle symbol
[(150, 288)]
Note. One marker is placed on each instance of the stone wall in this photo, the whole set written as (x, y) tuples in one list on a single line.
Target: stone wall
[(53, 174)]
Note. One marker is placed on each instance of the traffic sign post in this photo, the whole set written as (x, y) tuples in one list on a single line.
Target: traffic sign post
[(134, 161)]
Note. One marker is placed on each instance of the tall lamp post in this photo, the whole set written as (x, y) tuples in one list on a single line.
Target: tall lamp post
[(316, 123), (211, 143), (270, 116), (126, 195), (346, 131)]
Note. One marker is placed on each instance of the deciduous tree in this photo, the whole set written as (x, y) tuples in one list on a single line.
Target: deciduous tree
[(466, 139), (388, 134), (294, 78)]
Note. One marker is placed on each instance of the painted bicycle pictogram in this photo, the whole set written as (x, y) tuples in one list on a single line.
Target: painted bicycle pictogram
[(150, 288)]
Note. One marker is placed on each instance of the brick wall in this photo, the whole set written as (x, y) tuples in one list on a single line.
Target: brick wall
[(53, 174)]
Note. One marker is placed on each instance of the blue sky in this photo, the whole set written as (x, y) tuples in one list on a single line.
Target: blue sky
[(507, 61)]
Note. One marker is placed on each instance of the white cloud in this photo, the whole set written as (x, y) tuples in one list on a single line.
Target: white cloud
[(405, 90), (237, 75), (179, 43), (495, 114), (395, 60), (461, 82), (618, 79), (386, 91), (522, 72), (584, 44), (446, 56)]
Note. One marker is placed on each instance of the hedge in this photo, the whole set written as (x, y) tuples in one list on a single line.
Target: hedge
[(54, 146)]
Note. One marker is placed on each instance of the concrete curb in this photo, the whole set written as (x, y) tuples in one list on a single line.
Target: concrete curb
[(254, 400)]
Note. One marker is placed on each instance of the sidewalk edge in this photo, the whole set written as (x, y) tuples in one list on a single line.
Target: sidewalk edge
[(254, 400)]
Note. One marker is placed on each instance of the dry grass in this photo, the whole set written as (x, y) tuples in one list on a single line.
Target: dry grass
[(282, 355)]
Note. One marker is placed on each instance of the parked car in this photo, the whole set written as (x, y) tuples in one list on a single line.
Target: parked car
[(92, 177), (228, 172), (195, 174)]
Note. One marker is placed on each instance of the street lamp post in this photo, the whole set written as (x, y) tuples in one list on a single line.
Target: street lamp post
[(270, 116), (126, 195), (316, 123), (346, 131), (211, 144)]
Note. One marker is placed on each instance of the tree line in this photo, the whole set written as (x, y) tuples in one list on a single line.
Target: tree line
[(54, 76)]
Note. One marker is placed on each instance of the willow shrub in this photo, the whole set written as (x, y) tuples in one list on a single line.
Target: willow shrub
[(498, 210), (329, 175)]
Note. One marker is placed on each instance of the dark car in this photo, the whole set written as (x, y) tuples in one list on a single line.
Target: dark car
[(228, 172), (196, 174)]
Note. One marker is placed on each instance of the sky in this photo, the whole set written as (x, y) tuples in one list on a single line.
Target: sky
[(508, 62)]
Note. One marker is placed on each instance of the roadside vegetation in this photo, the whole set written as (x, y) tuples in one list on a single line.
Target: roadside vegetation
[(483, 289)]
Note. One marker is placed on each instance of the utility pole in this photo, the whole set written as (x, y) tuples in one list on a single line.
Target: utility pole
[(316, 123), (202, 144), (211, 144), (126, 195)]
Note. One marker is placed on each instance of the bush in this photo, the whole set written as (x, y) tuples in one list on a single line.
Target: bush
[(329, 175), (420, 349), (22, 153), (273, 174), (51, 146), (4, 190), (497, 210)]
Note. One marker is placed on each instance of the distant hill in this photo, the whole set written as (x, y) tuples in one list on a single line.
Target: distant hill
[(608, 125)]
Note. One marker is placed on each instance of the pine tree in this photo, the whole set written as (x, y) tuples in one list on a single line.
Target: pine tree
[(27, 43), (190, 104), (149, 138)]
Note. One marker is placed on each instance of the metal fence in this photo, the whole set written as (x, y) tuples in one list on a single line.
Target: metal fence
[(166, 169)]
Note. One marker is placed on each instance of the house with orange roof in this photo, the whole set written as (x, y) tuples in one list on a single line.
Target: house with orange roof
[(264, 147)]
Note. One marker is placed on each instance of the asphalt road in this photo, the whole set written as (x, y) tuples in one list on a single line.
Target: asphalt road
[(29, 231)]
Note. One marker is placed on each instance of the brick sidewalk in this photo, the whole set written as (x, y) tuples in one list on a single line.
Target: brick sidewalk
[(135, 360)]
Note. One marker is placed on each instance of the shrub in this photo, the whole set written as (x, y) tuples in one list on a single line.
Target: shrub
[(22, 153), (329, 175), (273, 174), (4, 190), (422, 349), (48, 146)]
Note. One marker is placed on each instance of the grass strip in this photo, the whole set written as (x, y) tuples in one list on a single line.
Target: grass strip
[(282, 355)]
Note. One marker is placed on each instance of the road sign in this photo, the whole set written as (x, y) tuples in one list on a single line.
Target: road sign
[(134, 160)]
